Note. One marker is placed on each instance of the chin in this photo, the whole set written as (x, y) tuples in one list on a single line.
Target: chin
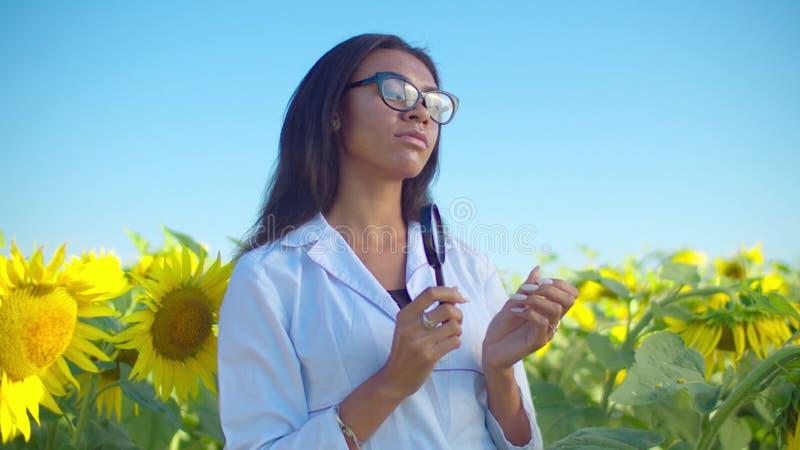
[(408, 170)]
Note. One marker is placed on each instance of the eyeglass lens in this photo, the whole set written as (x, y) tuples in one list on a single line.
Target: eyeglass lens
[(402, 95)]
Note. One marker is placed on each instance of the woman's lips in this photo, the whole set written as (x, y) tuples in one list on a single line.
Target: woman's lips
[(416, 139)]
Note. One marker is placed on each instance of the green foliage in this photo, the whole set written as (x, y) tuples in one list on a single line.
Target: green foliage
[(613, 358), (138, 240), (664, 365), (185, 240), (608, 438), (621, 360), (681, 273)]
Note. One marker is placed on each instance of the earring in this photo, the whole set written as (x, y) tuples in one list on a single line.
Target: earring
[(335, 123)]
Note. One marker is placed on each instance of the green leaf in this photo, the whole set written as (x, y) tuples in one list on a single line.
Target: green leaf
[(734, 434), (557, 416), (66, 446), (185, 240), (149, 430), (588, 251), (616, 287), (680, 272), (105, 365), (138, 240), (609, 438), (143, 393), (2, 240), (665, 365), (780, 305), (207, 410), (591, 275), (108, 434), (704, 396), (122, 303), (671, 416), (237, 242), (681, 445), (612, 358)]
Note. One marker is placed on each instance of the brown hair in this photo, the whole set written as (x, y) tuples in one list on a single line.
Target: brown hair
[(307, 173)]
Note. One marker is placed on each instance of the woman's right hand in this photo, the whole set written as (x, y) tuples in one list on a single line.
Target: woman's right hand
[(415, 348)]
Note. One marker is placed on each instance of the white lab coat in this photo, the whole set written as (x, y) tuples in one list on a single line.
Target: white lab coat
[(304, 323)]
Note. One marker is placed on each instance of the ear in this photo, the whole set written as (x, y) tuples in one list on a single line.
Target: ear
[(335, 122)]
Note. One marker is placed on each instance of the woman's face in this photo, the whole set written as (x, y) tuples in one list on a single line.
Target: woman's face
[(377, 141)]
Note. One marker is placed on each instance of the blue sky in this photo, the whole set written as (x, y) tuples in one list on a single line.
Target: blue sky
[(623, 126)]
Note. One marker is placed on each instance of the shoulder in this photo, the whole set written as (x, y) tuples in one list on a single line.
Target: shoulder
[(466, 258), (462, 249)]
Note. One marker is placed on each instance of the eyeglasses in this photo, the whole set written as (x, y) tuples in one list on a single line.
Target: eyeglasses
[(401, 95)]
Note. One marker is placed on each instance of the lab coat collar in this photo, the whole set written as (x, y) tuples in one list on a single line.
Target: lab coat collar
[(327, 247)]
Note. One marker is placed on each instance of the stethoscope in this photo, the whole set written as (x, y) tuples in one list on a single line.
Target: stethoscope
[(433, 239)]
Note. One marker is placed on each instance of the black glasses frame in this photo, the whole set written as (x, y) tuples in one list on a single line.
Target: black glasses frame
[(380, 77)]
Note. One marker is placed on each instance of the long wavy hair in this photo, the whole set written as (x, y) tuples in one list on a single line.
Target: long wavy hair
[(307, 174)]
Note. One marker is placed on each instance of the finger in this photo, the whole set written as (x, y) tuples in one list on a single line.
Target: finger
[(434, 294), (539, 322), (565, 286), (548, 308), (444, 331), (534, 275), (446, 345), (445, 312), (551, 292)]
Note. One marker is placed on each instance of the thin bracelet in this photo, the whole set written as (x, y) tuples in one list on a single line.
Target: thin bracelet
[(345, 429)]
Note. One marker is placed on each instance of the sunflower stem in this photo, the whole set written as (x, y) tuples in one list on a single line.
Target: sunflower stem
[(647, 317), (569, 367), (607, 387), (86, 406), (52, 431), (105, 388), (765, 370)]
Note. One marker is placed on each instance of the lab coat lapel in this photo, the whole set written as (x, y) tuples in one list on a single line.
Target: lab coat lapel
[(334, 255)]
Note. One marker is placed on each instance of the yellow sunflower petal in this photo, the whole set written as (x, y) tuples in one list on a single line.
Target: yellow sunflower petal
[(739, 340), (36, 267), (80, 360), (95, 310), (752, 338), (56, 260)]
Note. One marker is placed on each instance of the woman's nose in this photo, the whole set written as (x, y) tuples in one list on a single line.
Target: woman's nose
[(419, 113)]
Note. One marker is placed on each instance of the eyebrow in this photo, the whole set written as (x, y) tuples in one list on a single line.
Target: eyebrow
[(426, 88)]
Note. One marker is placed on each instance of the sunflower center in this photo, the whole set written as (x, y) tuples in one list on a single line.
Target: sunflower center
[(36, 327), (182, 323)]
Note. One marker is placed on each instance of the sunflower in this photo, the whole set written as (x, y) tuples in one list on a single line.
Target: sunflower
[(148, 260), (717, 333), (40, 328), (772, 282), (583, 315), (735, 268), (175, 332)]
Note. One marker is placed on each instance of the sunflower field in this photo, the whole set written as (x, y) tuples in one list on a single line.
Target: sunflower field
[(667, 350)]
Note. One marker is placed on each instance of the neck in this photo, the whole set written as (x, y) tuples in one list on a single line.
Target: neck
[(368, 212)]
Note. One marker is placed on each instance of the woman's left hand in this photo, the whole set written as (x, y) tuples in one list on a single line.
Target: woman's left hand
[(527, 321)]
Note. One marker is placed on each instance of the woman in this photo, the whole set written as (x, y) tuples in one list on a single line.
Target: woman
[(333, 334)]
